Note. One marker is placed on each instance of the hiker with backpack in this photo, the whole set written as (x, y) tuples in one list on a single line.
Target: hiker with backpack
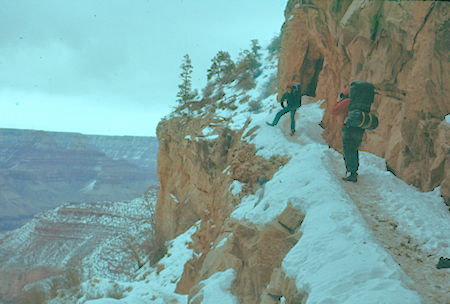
[(353, 105), (293, 98)]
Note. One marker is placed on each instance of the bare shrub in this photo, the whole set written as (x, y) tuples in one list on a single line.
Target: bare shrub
[(115, 293), (274, 47), (72, 277), (208, 90), (244, 99), (32, 295), (246, 81), (255, 106), (155, 246), (158, 248), (270, 87)]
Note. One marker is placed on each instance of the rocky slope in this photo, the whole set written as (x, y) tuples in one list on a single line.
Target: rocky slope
[(401, 47), (253, 215), (40, 170), (107, 239), (217, 176), (196, 172)]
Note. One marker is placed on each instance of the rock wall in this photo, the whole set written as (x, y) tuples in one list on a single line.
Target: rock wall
[(195, 173), (402, 48), (325, 44)]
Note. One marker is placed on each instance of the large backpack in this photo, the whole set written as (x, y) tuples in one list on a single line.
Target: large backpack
[(361, 95), (361, 98), (361, 119), (297, 92)]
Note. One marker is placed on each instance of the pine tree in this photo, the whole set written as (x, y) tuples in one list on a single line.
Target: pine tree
[(185, 93), (275, 45), (248, 67), (255, 48), (222, 67)]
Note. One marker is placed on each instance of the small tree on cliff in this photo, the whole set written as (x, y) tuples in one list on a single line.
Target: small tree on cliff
[(274, 47), (255, 48), (186, 93), (248, 66), (222, 67)]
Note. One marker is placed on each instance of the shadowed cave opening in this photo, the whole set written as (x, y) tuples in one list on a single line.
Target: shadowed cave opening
[(309, 72)]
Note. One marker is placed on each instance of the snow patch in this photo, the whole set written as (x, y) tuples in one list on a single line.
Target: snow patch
[(152, 286), (224, 240), (208, 131), (174, 198), (216, 289), (236, 187), (225, 171), (211, 137), (89, 187)]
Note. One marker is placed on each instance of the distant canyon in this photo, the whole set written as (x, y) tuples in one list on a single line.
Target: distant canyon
[(42, 170)]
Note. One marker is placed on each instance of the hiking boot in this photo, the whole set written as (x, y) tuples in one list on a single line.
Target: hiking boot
[(292, 132), (443, 263), (353, 177), (270, 124)]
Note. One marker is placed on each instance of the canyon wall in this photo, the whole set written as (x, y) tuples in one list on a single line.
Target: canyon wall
[(196, 174), (107, 239), (399, 46), (41, 170)]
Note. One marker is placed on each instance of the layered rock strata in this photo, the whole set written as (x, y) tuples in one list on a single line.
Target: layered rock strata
[(97, 238), (41, 170)]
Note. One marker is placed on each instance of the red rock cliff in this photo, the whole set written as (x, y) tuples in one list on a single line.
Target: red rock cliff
[(401, 47)]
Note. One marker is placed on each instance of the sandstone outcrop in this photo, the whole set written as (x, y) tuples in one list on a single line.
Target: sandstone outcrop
[(195, 173), (401, 47)]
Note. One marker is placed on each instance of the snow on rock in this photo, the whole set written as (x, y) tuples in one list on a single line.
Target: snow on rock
[(174, 198), (211, 137), (216, 289), (338, 259), (89, 187), (207, 131), (236, 187), (152, 285), (223, 241)]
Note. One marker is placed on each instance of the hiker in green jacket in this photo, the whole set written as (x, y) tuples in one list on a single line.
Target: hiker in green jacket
[(293, 98)]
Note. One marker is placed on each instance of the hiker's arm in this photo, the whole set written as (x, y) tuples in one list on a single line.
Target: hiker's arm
[(283, 99), (344, 94), (340, 107)]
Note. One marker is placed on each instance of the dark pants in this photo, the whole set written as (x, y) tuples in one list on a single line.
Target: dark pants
[(284, 111), (351, 140)]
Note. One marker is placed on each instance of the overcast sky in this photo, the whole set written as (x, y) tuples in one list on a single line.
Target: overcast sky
[(112, 66)]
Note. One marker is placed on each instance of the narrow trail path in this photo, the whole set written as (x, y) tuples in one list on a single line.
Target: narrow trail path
[(416, 262)]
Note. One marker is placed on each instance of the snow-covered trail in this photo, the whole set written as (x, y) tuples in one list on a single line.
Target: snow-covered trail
[(417, 262)]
